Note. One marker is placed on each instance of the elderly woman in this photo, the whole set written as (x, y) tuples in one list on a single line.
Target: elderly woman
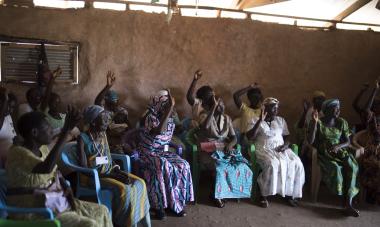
[(119, 124), (32, 175), (167, 175), (130, 204), (233, 176), (282, 170), (330, 135), (369, 162)]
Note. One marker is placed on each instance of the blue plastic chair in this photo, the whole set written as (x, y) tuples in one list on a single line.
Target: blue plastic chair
[(5, 210), (103, 196)]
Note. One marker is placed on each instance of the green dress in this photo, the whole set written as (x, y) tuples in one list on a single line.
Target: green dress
[(339, 171), (19, 166)]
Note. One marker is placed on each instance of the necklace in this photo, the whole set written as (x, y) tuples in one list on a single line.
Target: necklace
[(96, 146)]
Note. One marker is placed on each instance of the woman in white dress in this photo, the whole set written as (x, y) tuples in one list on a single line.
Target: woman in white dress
[(282, 170)]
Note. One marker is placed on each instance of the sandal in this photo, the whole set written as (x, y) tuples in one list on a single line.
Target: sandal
[(219, 203), (181, 214), (293, 202), (350, 211), (160, 214), (264, 203)]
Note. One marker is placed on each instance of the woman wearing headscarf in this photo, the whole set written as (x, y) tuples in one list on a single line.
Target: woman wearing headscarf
[(33, 179), (330, 135), (282, 170), (167, 175), (233, 176), (130, 203)]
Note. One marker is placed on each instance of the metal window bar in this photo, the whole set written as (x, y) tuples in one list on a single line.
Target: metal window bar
[(19, 61)]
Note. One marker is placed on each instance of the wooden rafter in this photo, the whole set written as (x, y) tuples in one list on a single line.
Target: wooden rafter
[(351, 9), (245, 4)]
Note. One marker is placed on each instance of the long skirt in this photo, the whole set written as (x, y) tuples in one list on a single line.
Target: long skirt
[(282, 173), (339, 172), (130, 203), (168, 180), (233, 176), (87, 214)]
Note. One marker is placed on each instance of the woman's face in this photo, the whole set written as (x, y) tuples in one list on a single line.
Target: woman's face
[(43, 134), (272, 110), (34, 98), (55, 103), (333, 111), (220, 108), (101, 122)]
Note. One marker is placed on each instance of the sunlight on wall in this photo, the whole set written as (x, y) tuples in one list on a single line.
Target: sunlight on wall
[(110, 5), (59, 4)]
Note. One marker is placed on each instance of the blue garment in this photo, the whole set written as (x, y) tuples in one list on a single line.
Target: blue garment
[(233, 175)]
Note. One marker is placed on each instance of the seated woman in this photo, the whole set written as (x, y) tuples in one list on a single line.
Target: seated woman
[(201, 101), (233, 176), (251, 111), (119, 124), (330, 135), (370, 161), (31, 169), (167, 175), (282, 170), (130, 203)]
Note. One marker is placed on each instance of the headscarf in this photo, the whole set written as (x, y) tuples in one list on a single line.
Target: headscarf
[(330, 103), (318, 93), (270, 101), (91, 113), (158, 101), (111, 96)]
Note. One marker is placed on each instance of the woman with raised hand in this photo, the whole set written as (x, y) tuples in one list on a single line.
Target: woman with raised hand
[(129, 204), (167, 175), (282, 170), (330, 135), (32, 175)]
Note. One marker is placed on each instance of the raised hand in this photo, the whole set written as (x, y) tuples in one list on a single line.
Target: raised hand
[(334, 149), (198, 74), (254, 85), (110, 78), (72, 118), (263, 113), (171, 99), (315, 115)]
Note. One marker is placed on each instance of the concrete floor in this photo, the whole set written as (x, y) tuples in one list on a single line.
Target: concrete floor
[(323, 214)]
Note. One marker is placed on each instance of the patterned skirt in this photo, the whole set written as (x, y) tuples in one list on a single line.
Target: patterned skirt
[(168, 179)]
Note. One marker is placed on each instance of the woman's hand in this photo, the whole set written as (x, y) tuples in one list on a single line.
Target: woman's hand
[(315, 115), (229, 148), (57, 72), (110, 78), (282, 148), (198, 74), (72, 119), (306, 105), (263, 113), (335, 149)]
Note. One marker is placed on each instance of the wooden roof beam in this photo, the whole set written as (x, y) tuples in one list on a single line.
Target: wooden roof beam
[(245, 4)]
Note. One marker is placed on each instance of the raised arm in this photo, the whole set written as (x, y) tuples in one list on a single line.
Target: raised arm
[(162, 127), (252, 134), (81, 153), (355, 103), (72, 119), (237, 95), (372, 97), (190, 92), (49, 88), (110, 81), (4, 105), (302, 121)]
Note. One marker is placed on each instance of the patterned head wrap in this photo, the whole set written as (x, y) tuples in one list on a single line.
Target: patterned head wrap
[(91, 113), (330, 103), (158, 101), (270, 101), (111, 96), (318, 94)]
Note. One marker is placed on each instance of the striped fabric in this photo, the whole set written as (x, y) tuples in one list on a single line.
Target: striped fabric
[(167, 175)]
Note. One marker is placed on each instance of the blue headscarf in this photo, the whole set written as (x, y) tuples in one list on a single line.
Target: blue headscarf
[(112, 96), (91, 113), (329, 103)]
